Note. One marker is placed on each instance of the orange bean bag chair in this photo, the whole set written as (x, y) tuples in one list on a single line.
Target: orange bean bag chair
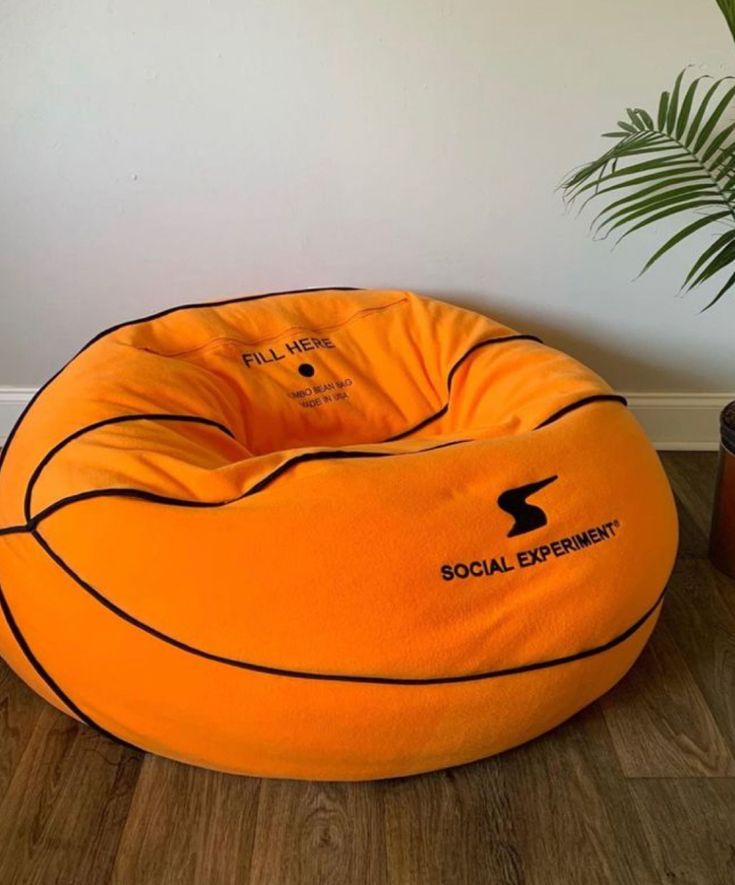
[(337, 534)]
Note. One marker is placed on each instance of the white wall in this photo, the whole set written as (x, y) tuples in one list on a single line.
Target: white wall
[(156, 152)]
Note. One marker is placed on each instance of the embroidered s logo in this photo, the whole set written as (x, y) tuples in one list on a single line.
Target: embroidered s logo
[(527, 517)]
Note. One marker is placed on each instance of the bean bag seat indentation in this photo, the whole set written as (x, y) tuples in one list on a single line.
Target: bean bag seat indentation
[(330, 534)]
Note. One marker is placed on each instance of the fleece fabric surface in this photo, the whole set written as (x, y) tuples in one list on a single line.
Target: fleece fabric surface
[(330, 534)]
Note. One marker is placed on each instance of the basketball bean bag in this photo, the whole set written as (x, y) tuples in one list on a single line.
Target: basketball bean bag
[(327, 534)]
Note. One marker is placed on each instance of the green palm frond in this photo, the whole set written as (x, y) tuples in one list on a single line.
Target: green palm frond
[(680, 160), (728, 10)]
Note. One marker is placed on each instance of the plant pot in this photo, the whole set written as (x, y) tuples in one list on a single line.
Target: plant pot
[(722, 534)]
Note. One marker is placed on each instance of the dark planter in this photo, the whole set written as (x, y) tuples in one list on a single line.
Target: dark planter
[(722, 535)]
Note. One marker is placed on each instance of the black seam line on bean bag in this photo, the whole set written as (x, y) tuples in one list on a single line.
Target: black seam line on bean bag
[(443, 410), (264, 482), (14, 529), (333, 326), (33, 521), (85, 717), (155, 316), (338, 677), (46, 676), (595, 398), (105, 422), (168, 417)]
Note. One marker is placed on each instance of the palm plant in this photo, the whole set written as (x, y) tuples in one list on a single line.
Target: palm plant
[(680, 160)]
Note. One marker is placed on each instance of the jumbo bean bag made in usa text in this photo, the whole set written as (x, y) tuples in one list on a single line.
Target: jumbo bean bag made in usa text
[(329, 534)]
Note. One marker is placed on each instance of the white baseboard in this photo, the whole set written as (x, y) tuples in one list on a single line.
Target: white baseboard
[(12, 402), (672, 420), (681, 421)]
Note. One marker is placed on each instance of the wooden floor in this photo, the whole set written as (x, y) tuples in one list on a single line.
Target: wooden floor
[(639, 788)]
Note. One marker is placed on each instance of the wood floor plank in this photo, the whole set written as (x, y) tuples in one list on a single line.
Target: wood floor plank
[(555, 810), (573, 817), (63, 813), (19, 712), (702, 623), (319, 834), (690, 828), (187, 825), (693, 535), (692, 477), (660, 722), (452, 826)]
